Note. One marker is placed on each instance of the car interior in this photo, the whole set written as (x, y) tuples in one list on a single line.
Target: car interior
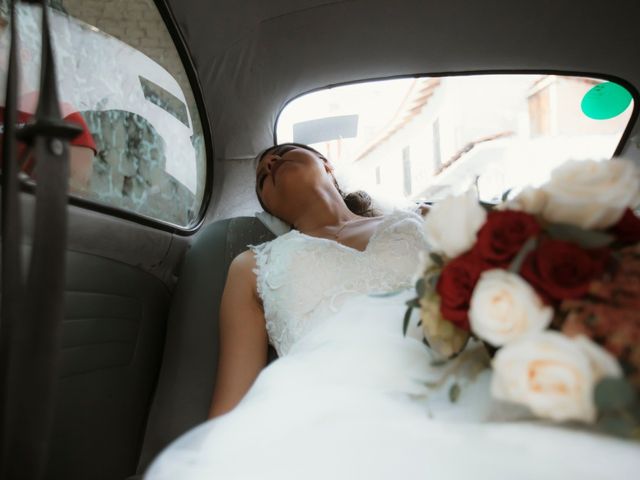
[(177, 99)]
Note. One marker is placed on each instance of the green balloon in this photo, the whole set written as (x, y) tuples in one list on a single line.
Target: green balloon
[(605, 101)]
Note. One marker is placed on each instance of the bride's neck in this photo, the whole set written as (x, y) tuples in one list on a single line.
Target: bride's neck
[(325, 209)]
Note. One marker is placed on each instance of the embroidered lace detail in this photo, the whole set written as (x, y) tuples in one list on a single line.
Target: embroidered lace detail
[(302, 279)]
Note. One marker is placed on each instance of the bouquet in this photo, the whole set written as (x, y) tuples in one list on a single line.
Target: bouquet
[(549, 281)]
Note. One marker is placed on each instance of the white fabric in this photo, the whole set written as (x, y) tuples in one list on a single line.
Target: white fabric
[(300, 288), (352, 398), (273, 223)]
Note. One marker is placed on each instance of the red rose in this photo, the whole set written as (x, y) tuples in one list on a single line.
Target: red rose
[(627, 229), (455, 286), (561, 270), (503, 235)]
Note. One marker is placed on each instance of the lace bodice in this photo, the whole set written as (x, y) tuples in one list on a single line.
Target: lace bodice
[(302, 279)]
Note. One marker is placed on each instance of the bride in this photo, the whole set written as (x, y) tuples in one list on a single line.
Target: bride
[(350, 396)]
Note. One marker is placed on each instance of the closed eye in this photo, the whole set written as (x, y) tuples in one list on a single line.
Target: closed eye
[(261, 180)]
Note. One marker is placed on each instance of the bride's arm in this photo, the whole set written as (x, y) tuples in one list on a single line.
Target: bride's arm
[(243, 336)]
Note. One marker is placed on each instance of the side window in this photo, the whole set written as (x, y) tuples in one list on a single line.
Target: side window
[(424, 138), (121, 79)]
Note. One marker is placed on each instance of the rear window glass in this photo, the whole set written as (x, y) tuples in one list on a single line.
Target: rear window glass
[(120, 77), (425, 138)]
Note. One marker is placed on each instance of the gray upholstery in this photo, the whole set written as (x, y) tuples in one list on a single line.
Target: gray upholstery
[(253, 56), (189, 362), (112, 338)]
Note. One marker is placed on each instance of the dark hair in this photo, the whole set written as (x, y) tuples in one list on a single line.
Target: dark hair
[(359, 202)]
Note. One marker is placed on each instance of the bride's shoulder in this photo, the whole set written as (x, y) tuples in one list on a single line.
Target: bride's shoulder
[(243, 263), (242, 273)]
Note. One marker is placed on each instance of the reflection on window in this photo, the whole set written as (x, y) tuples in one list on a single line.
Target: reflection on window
[(165, 100), (121, 79), (437, 159), (406, 169), (501, 132), (130, 169)]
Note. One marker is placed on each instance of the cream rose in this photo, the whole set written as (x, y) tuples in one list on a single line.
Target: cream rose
[(552, 374), (452, 224), (505, 307), (591, 194), (444, 338)]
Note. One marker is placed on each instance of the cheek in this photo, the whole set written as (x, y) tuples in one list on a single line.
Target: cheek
[(268, 196)]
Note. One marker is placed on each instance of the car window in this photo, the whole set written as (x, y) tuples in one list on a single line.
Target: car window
[(121, 79), (424, 138)]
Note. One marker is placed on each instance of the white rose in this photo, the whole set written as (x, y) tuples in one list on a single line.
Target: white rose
[(552, 374), (452, 224), (591, 194), (505, 307), (603, 364)]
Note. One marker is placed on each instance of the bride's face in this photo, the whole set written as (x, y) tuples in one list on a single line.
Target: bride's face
[(284, 175)]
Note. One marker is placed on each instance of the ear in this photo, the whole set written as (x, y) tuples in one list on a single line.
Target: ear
[(328, 167)]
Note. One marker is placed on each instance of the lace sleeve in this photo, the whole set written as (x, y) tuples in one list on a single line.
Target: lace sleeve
[(277, 333), (261, 253)]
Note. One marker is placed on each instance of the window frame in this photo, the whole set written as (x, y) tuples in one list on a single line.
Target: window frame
[(184, 54)]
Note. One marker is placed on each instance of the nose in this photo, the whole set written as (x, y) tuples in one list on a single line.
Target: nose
[(271, 161)]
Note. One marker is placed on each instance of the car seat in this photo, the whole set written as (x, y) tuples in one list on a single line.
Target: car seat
[(189, 363)]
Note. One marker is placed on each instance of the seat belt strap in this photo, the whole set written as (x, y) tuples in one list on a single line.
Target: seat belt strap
[(35, 336), (12, 282)]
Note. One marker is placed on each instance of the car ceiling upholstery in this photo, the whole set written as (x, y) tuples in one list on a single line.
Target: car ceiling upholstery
[(252, 56)]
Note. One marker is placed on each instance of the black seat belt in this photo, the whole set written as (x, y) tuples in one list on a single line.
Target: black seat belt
[(31, 315)]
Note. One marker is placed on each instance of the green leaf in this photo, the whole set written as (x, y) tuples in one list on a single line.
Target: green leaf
[(437, 259), (505, 195), (616, 425), (488, 207), (432, 282), (391, 293), (420, 287), (613, 393), (405, 323), (413, 303), (516, 263), (454, 393), (584, 238)]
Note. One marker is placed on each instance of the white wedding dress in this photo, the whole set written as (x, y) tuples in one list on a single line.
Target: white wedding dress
[(352, 398)]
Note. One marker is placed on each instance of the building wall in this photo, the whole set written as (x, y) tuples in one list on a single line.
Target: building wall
[(417, 135), (137, 23)]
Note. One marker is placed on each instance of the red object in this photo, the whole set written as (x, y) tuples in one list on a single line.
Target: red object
[(85, 139), (560, 270), (455, 286), (503, 235), (627, 230)]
